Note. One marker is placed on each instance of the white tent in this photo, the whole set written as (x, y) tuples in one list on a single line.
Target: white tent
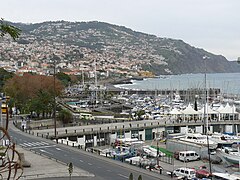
[(190, 111), (220, 108), (208, 110), (175, 111), (228, 109)]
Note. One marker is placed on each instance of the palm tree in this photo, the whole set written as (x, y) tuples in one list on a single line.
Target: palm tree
[(6, 28)]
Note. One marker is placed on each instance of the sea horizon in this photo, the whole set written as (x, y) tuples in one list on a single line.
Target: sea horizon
[(228, 83)]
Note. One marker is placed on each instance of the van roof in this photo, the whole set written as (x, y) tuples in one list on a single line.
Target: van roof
[(85, 114), (186, 169), (187, 151)]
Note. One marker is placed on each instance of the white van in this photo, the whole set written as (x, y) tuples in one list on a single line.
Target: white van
[(188, 156), (185, 172), (86, 116)]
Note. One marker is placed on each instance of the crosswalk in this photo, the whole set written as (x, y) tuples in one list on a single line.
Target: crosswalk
[(34, 144)]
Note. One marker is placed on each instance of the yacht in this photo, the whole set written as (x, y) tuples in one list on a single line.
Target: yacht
[(232, 138), (228, 154), (220, 140), (199, 139)]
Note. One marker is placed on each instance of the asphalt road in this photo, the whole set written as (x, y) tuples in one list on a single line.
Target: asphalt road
[(103, 168)]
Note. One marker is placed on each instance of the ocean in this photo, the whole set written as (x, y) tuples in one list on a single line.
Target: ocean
[(228, 83)]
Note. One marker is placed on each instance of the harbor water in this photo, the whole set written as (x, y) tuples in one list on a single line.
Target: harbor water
[(228, 83)]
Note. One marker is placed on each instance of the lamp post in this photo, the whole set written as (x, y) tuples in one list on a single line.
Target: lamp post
[(205, 113), (205, 96), (1, 123), (54, 97)]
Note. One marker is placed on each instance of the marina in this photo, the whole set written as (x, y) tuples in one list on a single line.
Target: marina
[(163, 131)]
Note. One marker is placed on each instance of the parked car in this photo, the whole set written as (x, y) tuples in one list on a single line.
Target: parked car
[(188, 156), (176, 155), (202, 172), (185, 172)]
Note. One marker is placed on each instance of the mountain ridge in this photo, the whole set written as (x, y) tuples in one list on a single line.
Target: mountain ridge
[(119, 44)]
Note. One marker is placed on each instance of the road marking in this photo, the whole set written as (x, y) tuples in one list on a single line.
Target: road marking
[(109, 170), (30, 144), (45, 151), (35, 144), (26, 144), (58, 149), (81, 160), (44, 143), (42, 147), (89, 164), (123, 176)]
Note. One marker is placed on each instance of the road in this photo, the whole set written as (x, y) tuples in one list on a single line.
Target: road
[(103, 168)]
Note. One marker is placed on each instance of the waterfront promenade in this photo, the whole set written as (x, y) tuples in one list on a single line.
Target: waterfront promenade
[(57, 170), (128, 125)]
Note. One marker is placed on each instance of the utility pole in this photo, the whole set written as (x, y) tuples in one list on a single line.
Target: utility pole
[(1, 123), (95, 71), (54, 91), (157, 154), (82, 78)]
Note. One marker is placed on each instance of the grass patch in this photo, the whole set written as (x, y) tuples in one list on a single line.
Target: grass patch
[(163, 150)]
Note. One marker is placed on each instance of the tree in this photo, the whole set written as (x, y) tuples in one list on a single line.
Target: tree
[(131, 176), (70, 169), (4, 75), (41, 103), (65, 116), (6, 28), (64, 78), (140, 177), (139, 114), (33, 91)]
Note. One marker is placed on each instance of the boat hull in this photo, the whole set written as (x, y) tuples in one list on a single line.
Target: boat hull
[(230, 158)]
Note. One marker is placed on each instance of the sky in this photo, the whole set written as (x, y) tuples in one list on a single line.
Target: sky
[(209, 24)]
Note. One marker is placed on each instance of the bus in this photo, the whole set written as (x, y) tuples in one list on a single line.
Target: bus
[(4, 108), (86, 116)]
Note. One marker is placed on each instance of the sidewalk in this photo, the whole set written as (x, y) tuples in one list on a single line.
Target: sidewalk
[(44, 168)]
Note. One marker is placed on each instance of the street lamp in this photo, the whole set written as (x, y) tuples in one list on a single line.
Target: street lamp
[(205, 110), (205, 96), (1, 123), (54, 96)]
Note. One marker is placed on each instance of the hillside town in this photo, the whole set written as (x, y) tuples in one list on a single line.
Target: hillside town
[(35, 51)]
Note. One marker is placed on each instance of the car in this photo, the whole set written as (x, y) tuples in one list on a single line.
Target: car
[(188, 156), (202, 173), (176, 155), (185, 172)]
